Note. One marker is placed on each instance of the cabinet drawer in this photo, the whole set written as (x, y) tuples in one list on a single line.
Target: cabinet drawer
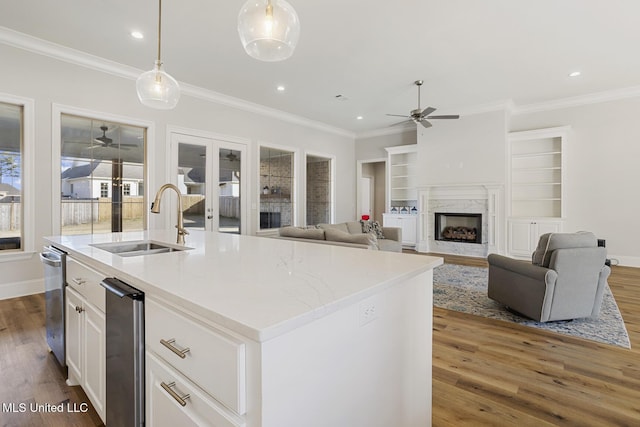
[(86, 281), (163, 409), (214, 360)]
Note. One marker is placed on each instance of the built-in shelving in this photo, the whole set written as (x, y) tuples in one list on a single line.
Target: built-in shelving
[(402, 176), (536, 187)]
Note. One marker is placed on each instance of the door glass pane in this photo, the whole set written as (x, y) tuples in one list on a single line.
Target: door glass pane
[(98, 159), (276, 184), (318, 190), (229, 191), (10, 177), (192, 161)]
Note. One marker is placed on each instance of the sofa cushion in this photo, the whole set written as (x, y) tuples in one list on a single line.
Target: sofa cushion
[(343, 236), (354, 227), (342, 227), (552, 241), (308, 233)]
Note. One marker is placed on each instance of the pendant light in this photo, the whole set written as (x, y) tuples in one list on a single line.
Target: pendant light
[(269, 29), (157, 89)]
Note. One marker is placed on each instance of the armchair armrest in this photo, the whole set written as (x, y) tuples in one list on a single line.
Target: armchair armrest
[(392, 233), (523, 268)]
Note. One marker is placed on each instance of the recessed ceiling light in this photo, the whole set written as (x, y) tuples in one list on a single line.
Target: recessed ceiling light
[(359, 118), (280, 88), (575, 74), (137, 35)]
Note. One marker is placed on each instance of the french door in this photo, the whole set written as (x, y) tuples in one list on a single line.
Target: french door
[(211, 175)]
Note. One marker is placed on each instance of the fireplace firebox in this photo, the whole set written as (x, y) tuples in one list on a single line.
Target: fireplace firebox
[(458, 227)]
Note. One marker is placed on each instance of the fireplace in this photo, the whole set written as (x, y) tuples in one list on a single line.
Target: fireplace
[(458, 227)]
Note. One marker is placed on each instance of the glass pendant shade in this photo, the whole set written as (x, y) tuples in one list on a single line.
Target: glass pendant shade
[(157, 89), (268, 29)]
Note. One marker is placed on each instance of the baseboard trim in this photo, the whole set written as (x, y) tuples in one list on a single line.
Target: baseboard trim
[(19, 289), (626, 261)]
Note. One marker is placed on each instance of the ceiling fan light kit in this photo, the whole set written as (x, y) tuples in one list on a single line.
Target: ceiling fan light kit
[(268, 29), (156, 88)]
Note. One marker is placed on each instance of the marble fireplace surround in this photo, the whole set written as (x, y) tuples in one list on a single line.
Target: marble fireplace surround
[(482, 199)]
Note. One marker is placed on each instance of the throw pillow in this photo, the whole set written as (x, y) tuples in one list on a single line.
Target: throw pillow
[(372, 227)]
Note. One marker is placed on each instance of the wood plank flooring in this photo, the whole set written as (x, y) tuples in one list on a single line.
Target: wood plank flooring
[(495, 373), (30, 375), (485, 372)]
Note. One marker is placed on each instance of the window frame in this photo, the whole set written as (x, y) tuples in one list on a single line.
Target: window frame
[(332, 184), (27, 154), (294, 185), (56, 129)]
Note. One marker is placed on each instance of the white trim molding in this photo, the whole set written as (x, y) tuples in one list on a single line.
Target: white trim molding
[(62, 53), (19, 289)]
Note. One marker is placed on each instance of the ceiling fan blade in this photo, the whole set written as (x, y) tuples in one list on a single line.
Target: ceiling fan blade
[(427, 111), (397, 115), (402, 122), (425, 123), (450, 116)]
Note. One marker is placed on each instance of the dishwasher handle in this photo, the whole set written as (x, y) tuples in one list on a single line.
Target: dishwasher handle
[(121, 289), (50, 259)]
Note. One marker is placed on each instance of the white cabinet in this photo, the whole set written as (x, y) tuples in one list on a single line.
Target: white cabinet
[(536, 195), (173, 400), (525, 233), (187, 357), (408, 224), (85, 333)]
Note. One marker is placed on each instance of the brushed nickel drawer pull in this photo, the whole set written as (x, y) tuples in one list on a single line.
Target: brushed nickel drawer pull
[(168, 388), (169, 345), (78, 280)]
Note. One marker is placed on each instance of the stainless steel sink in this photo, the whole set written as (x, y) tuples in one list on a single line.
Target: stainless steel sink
[(137, 248)]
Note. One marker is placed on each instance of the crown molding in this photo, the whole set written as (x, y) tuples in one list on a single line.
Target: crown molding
[(73, 56), (577, 101), (393, 130)]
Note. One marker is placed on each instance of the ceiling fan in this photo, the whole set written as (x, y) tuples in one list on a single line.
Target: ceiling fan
[(420, 116)]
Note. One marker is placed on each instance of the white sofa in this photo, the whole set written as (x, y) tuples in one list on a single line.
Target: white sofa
[(346, 234)]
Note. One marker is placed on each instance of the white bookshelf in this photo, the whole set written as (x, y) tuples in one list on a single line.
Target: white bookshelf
[(536, 189)]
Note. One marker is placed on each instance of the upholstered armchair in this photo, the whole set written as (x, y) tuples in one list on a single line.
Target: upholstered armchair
[(565, 280)]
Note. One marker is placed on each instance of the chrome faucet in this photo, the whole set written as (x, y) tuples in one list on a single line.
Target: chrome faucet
[(155, 208)]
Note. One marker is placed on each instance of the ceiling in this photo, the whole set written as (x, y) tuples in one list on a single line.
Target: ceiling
[(469, 53)]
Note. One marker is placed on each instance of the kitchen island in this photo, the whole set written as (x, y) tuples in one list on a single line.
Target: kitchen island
[(264, 332)]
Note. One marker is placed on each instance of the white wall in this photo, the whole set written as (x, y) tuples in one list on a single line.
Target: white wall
[(49, 81), (602, 170), (469, 150), (602, 174), (372, 147)]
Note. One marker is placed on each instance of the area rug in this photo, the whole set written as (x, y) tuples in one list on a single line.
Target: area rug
[(464, 289)]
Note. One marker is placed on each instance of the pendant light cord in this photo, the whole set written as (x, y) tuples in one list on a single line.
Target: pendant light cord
[(159, 28)]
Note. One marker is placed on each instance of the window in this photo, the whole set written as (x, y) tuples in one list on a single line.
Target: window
[(276, 188), (319, 189), (101, 163), (11, 177)]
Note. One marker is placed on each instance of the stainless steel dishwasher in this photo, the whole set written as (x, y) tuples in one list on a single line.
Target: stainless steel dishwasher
[(125, 353), (55, 268)]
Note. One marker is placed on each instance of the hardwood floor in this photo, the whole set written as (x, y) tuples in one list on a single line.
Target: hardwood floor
[(489, 372), (485, 372), (31, 375)]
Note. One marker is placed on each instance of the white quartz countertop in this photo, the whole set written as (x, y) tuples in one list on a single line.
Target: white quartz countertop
[(256, 286)]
